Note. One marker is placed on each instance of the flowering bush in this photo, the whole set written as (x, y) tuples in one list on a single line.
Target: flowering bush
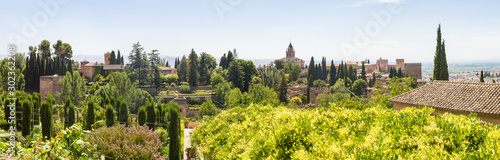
[(120, 142)]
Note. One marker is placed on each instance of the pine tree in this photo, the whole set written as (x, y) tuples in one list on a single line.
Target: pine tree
[(90, 115), (26, 121), (223, 61), (363, 71), (481, 79), (46, 117), (141, 116), (110, 116), (173, 133), (333, 73)]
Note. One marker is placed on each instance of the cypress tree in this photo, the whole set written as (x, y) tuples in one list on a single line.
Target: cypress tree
[(193, 68), (363, 71), (444, 64), (283, 88), (46, 117), (333, 73), (481, 79), (440, 63), (110, 116), (67, 103), (309, 85), (391, 73), (400, 73), (310, 70), (173, 133), (141, 115), (90, 115), (123, 113), (323, 69), (26, 121), (71, 115), (118, 58), (112, 58), (341, 70), (70, 67), (151, 116)]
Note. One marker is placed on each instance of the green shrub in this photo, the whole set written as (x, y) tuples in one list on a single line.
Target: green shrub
[(99, 124), (141, 116), (186, 89), (123, 112), (193, 100), (46, 117), (26, 121), (151, 116), (71, 115), (110, 116)]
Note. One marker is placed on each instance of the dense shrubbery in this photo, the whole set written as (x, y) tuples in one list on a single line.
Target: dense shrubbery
[(337, 132), (120, 142)]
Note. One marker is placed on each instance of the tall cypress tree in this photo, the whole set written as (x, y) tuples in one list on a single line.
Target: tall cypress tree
[(440, 63), (333, 73), (118, 58), (341, 70), (90, 115), (110, 116), (123, 118), (193, 68), (112, 58), (323, 69), (310, 70), (71, 115), (283, 88), (151, 116), (173, 133), (46, 117), (481, 79), (26, 121), (363, 71), (141, 116)]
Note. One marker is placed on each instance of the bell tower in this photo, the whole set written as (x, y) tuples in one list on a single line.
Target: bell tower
[(290, 52)]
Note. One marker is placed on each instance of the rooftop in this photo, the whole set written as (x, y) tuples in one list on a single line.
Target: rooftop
[(464, 97)]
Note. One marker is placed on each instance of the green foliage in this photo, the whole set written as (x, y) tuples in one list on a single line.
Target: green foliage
[(71, 115), (279, 64), (182, 69), (46, 117), (110, 116), (216, 79), (333, 74), (90, 118), (170, 79), (260, 94), (283, 88), (271, 76), (343, 133), (234, 98), (327, 99), (359, 87), (295, 101), (293, 70), (185, 89), (235, 74), (26, 121), (221, 89), (141, 116), (481, 79), (173, 132), (207, 109), (319, 83)]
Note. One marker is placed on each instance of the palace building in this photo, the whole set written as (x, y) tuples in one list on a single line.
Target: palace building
[(290, 57)]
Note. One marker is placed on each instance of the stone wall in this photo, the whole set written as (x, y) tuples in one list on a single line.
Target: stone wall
[(414, 70), (49, 84), (314, 92)]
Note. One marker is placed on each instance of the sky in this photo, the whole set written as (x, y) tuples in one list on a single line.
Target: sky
[(258, 29)]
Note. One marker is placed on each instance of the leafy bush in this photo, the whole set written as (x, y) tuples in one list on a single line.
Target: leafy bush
[(295, 101), (120, 142), (342, 133), (185, 89), (193, 100)]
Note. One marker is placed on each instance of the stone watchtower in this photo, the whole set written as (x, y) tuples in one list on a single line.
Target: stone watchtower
[(107, 58), (290, 53), (400, 63)]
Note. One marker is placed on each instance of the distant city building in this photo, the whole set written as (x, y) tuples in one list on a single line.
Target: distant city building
[(290, 57), (382, 65), (167, 71), (455, 98)]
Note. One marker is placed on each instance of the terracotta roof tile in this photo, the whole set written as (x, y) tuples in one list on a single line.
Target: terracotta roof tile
[(464, 97)]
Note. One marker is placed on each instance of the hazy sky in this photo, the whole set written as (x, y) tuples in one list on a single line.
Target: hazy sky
[(258, 29)]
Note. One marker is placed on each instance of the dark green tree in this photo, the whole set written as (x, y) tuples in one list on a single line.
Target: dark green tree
[(90, 115), (235, 74), (151, 116), (324, 72), (249, 71), (118, 58), (26, 121), (110, 115), (310, 69), (141, 116), (481, 79), (333, 74), (182, 69), (230, 58), (112, 58), (341, 70), (71, 115), (193, 65), (173, 133), (46, 117), (67, 103), (283, 88), (400, 73), (279, 64), (309, 85), (223, 61), (157, 80), (363, 71), (440, 63), (123, 112)]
